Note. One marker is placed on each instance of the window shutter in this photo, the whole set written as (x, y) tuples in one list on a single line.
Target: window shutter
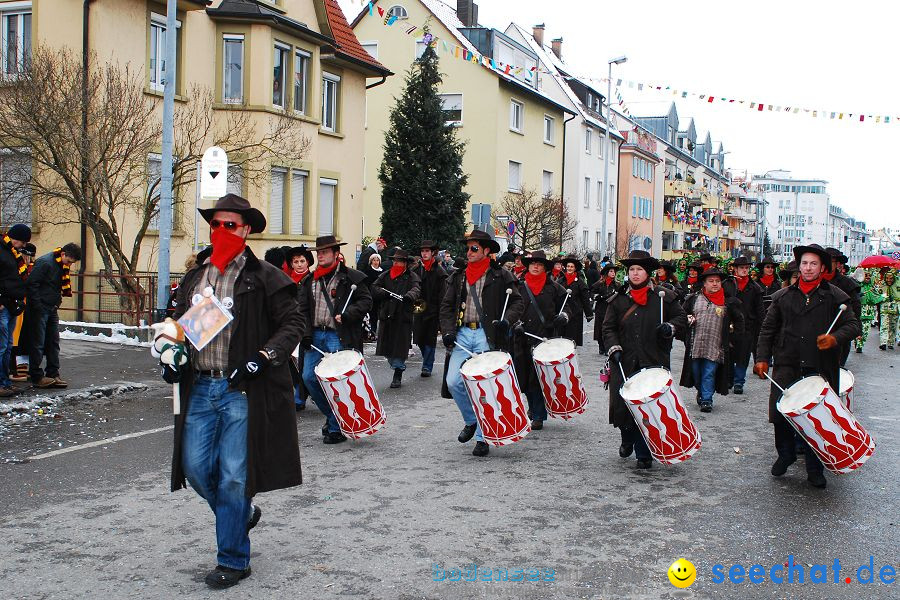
[(298, 201), (275, 223), (326, 206)]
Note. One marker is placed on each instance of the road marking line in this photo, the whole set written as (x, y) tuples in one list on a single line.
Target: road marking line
[(96, 443)]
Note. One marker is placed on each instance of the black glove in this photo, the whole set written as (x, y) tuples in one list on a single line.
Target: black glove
[(170, 374), (560, 320), (519, 329), (665, 332), (251, 369), (449, 340), (306, 343), (616, 355), (407, 297), (501, 326), (590, 318)]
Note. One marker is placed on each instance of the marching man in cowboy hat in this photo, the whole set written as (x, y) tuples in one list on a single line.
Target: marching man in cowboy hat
[(236, 434), (768, 279), (395, 316), (602, 291), (793, 333), (580, 300), (846, 284), (542, 298), (714, 320), (434, 283), (327, 324), (636, 338), (471, 317), (750, 294)]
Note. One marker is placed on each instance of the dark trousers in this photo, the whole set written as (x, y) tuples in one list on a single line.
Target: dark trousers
[(44, 343), (631, 435), (786, 445)]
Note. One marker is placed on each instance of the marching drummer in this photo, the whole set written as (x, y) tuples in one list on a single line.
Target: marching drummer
[(572, 279), (601, 291), (794, 334), (543, 316), (333, 304), (396, 289), (638, 329), (425, 327), (750, 294), (472, 317)]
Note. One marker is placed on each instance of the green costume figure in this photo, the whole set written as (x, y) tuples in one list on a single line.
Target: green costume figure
[(871, 297), (889, 309)]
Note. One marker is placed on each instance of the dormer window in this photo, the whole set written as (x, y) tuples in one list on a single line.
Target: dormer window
[(398, 11)]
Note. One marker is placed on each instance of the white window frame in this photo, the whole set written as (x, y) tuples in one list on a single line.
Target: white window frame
[(239, 99), (650, 171), (373, 43), (330, 113), (301, 57), (275, 213), (549, 129), (547, 178), (599, 194), (612, 152), (611, 201), (514, 186), (153, 157), (390, 12), (285, 51), (634, 166), (21, 197), (587, 192), (18, 11), (297, 211), (326, 181), (157, 72), (588, 139), (516, 116), (452, 122), (420, 48)]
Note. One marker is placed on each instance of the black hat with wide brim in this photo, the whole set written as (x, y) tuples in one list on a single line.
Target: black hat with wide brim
[(837, 255), (786, 273), (713, 271), (641, 258), (799, 251), (300, 251), (573, 260), (484, 239), (430, 244), (768, 260), (539, 256), (234, 203), (609, 267), (742, 261)]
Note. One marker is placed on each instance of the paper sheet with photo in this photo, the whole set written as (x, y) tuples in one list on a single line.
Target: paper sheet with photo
[(204, 321)]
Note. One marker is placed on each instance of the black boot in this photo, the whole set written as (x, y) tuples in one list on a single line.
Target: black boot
[(781, 465), (481, 449), (398, 375), (816, 480)]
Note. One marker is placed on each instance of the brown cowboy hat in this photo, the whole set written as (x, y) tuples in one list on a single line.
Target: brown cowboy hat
[(574, 260), (483, 239), (400, 254), (430, 244), (327, 241), (539, 256), (823, 254), (641, 258), (234, 203)]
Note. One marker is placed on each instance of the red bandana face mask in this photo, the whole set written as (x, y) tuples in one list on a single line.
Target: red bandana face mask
[(225, 247)]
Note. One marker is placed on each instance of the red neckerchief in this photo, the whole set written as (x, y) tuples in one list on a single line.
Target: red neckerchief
[(741, 282), (64, 279), (691, 280), (474, 270), (639, 295), (322, 271), (767, 279), (428, 263), (718, 298), (297, 277), (397, 269), (662, 277), (556, 272), (609, 280), (807, 287), (519, 270), (535, 282), (570, 277), (829, 275), (226, 247)]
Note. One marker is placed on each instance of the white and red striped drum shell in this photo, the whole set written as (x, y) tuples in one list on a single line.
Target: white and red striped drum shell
[(654, 400), (494, 392), (347, 385), (830, 429), (557, 369), (846, 381)]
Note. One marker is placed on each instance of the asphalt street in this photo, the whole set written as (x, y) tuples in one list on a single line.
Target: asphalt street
[(409, 512)]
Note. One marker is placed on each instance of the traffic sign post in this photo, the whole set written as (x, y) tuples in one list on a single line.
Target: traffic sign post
[(213, 174)]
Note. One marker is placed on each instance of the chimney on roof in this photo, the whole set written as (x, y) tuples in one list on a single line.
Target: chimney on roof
[(557, 47), (467, 11), (538, 33)]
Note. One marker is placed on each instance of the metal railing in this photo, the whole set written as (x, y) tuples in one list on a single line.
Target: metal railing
[(103, 303)]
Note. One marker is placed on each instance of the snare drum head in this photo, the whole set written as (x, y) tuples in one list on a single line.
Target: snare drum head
[(484, 364), (802, 393), (845, 381), (338, 364), (553, 350), (646, 382)]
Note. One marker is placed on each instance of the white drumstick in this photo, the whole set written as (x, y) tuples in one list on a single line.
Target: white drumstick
[(537, 337), (322, 352), (773, 382), (662, 294), (505, 302), (841, 309), (561, 308), (176, 399), (350, 295), (624, 377), (397, 296), (466, 350)]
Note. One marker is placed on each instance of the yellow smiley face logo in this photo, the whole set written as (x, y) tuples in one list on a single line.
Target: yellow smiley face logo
[(682, 573)]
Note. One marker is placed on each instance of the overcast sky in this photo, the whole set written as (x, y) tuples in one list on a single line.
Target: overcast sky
[(824, 56)]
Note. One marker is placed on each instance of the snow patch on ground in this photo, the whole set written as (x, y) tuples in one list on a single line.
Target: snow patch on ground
[(42, 405), (115, 338)]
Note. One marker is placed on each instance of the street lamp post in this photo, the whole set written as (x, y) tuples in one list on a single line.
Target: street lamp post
[(607, 156)]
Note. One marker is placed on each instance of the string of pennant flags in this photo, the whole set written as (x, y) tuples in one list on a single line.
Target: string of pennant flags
[(528, 73)]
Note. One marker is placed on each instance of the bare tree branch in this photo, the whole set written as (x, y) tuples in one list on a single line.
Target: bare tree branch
[(538, 219)]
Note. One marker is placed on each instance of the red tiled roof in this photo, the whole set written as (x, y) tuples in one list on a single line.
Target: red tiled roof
[(346, 39)]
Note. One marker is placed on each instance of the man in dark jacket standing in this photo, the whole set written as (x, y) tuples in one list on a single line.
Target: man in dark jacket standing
[(477, 326), (601, 292), (13, 273), (750, 294), (395, 318), (47, 284), (793, 333), (426, 324), (580, 300), (848, 285), (237, 434), (333, 304)]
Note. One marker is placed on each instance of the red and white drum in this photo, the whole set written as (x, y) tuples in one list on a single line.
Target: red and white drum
[(557, 369), (347, 385), (820, 416), (654, 400), (845, 382), (494, 392)]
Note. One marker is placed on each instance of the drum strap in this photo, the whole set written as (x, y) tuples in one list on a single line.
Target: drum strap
[(477, 302), (534, 303), (329, 304)]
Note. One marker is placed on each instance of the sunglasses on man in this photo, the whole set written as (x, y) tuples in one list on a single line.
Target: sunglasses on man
[(474, 248), (228, 225)]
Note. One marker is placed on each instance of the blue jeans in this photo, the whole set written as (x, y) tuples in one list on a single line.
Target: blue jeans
[(427, 358), (214, 458), (7, 324), (298, 400), (536, 404), (329, 342), (44, 343), (473, 340), (397, 363), (704, 371)]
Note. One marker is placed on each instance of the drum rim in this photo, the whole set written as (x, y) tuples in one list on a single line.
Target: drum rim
[(668, 385), (568, 357), (507, 366), (806, 407), (362, 361)]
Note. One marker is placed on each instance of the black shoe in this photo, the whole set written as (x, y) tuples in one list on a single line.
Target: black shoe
[(644, 463), (300, 407), (625, 450), (325, 428), (781, 465), (890, 347), (481, 449), (425, 373), (537, 425), (858, 350), (466, 434), (398, 376), (738, 389), (882, 347), (706, 407), (816, 480), (224, 577), (699, 403), (334, 437), (254, 518)]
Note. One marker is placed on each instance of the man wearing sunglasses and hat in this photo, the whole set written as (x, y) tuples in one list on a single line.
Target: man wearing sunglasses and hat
[(846, 284), (471, 317), (434, 283), (750, 294), (637, 338), (794, 334), (236, 434), (329, 322)]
